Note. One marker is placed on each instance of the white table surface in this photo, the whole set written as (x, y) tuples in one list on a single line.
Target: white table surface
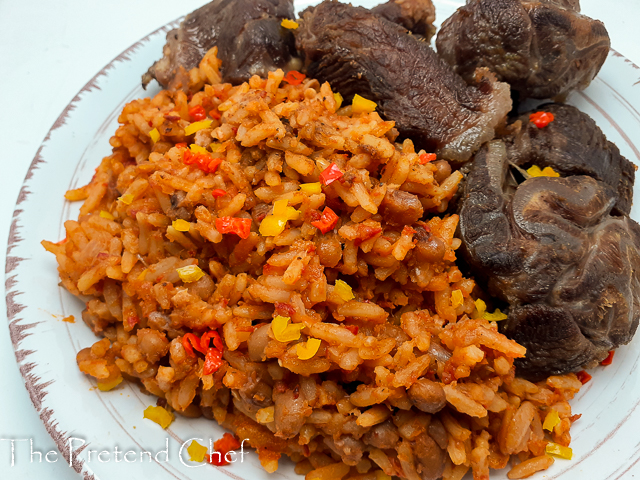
[(48, 51)]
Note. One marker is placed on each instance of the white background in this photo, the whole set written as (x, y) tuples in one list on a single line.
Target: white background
[(48, 51)]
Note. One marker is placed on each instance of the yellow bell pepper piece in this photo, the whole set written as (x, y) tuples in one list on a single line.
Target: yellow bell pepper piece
[(338, 98), (292, 213), (196, 451), (535, 171), (127, 199), (549, 172), (265, 415), (155, 135), (181, 225), (559, 451), (344, 291), (457, 298), (272, 225), (280, 208), (289, 24), (308, 350), (105, 214), (105, 387), (362, 105), (197, 148), (159, 415), (495, 316), (551, 420), (285, 332), (311, 188), (196, 126), (143, 274), (481, 306), (190, 273)]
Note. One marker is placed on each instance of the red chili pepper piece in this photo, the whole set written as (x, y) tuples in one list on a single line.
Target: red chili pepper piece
[(215, 114), (197, 113), (212, 361), (213, 165), (542, 119), (221, 447), (239, 226), (211, 335), (608, 360), (583, 376), (203, 161), (218, 192), (327, 221), (191, 341), (294, 77), (426, 158), (132, 321), (352, 328), (330, 174)]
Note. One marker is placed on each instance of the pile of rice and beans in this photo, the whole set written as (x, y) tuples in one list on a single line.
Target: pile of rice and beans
[(263, 256)]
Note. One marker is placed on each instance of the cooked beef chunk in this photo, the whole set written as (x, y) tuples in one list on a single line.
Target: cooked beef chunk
[(574, 145), (543, 49), (360, 52), (247, 33), (568, 4), (417, 16), (551, 249)]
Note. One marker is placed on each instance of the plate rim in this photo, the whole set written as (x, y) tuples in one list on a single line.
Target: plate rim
[(35, 385)]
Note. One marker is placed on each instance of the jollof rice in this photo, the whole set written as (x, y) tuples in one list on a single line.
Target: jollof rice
[(405, 378)]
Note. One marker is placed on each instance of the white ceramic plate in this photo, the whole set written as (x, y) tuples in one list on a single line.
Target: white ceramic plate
[(605, 441)]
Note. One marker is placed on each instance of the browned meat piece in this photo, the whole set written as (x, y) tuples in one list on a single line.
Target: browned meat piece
[(417, 16), (248, 35), (568, 4), (574, 145), (543, 49), (359, 52), (401, 208), (551, 249)]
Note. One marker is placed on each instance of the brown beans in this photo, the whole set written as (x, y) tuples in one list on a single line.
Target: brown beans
[(427, 396), (290, 412), (429, 248), (383, 436), (401, 208), (153, 344), (443, 170), (258, 342), (430, 456), (329, 250)]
